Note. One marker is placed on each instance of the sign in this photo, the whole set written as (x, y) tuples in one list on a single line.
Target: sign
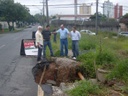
[(28, 47)]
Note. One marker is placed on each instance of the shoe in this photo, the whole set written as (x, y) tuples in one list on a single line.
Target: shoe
[(74, 58)]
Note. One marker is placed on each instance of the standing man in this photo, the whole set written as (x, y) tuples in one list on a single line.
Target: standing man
[(63, 40), (39, 43), (46, 36), (75, 36)]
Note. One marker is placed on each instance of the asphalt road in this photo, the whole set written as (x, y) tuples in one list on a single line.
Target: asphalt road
[(15, 71)]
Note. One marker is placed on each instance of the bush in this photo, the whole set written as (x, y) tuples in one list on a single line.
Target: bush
[(85, 88), (120, 71), (105, 59), (87, 66)]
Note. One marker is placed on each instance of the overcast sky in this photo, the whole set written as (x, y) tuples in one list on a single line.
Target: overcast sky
[(69, 9)]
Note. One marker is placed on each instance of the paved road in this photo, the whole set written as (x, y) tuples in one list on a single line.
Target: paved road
[(15, 71)]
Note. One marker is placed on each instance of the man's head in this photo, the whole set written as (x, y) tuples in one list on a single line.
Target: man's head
[(47, 27), (62, 26), (74, 28), (40, 28)]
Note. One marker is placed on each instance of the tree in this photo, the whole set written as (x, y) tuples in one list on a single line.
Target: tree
[(124, 19), (100, 17), (14, 12), (40, 18)]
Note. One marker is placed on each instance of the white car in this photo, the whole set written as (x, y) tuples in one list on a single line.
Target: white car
[(88, 32), (123, 33)]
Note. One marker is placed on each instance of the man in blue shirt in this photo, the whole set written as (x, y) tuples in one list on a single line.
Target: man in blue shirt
[(63, 40)]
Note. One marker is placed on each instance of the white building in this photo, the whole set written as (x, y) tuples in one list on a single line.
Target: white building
[(85, 9), (108, 9)]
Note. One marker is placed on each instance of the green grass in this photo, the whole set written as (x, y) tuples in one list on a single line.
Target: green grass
[(86, 88)]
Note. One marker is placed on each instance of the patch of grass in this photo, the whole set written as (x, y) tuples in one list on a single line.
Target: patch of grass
[(87, 66), (120, 71), (86, 88), (106, 59)]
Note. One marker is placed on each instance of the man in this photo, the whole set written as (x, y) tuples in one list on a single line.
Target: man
[(75, 36), (39, 42), (46, 36), (63, 40)]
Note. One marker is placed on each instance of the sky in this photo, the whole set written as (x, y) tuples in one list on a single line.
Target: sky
[(37, 6)]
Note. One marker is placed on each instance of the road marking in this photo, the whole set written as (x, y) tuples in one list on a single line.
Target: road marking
[(2, 46)]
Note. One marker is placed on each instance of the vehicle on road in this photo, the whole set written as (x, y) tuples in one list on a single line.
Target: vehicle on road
[(88, 32), (123, 34)]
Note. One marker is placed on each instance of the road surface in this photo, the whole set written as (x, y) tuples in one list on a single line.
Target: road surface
[(15, 71)]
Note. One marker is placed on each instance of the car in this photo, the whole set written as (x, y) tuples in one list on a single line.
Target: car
[(29, 26), (88, 32), (123, 34)]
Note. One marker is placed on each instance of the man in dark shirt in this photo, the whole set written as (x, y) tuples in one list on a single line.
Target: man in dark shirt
[(46, 36)]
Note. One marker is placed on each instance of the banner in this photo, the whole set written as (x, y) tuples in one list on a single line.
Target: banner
[(28, 47)]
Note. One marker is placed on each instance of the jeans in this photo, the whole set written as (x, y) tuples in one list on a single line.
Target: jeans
[(39, 53), (75, 48), (63, 43), (47, 43)]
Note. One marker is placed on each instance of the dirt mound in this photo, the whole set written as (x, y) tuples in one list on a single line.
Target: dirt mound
[(60, 70)]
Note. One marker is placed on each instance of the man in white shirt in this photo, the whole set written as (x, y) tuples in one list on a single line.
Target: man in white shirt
[(39, 43), (75, 36)]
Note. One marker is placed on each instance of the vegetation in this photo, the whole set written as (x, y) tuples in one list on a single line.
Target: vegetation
[(120, 71), (86, 88), (14, 12)]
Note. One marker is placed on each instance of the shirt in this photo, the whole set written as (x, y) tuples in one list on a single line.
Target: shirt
[(39, 38), (46, 34), (63, 33), (75, 35)]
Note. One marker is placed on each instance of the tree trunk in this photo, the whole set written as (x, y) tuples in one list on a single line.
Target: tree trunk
[(13, 28), (9, 27)]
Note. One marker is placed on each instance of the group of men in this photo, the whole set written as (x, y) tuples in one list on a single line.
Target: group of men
[(43, 40)]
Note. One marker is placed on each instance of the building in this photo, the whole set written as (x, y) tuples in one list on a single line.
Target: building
[(108, 9), (118, 11), (85, 9)]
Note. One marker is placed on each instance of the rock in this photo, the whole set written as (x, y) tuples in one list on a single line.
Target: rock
[(66, 86), (57, 91), (51, 82), (94, 81)]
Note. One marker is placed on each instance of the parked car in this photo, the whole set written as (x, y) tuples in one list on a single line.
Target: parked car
[(123, 34), (88, 32)]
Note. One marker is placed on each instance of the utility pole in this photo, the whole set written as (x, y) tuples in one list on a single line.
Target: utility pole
[(75, 10), (47, 14), (43, 14), (43, 11), (96, 17)]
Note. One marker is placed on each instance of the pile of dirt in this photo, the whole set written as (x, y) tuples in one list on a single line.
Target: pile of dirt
[(59, 70)]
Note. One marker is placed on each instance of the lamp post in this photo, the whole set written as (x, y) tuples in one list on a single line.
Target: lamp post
[(96, 17)]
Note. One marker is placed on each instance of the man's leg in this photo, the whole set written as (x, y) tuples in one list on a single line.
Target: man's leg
[(73, 48), (77, 48), (66, 47), (61, 47), (50, 48), (44, 49), (39, 54)]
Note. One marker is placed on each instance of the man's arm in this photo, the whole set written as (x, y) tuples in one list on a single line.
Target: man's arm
[(79, 34)]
